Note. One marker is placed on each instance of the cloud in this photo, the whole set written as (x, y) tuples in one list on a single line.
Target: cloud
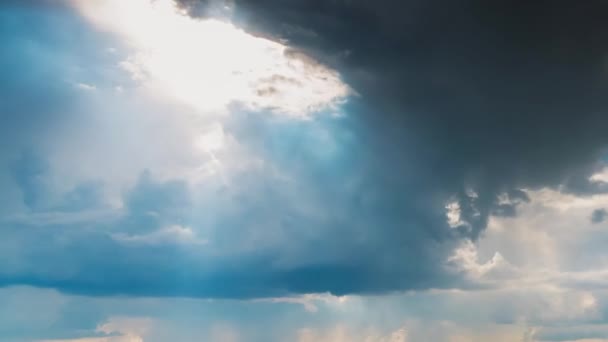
[(478, 98), (600, 177), (350, 204), (343, 334), (599, 215), (85, 87), (550, 241), (517, 314), (169, 238), (209, 64), (127, 338), (116, 329), (464, 116), (171, 234), (450, 202)]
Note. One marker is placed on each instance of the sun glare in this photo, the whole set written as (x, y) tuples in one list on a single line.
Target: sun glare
[(209, 64)]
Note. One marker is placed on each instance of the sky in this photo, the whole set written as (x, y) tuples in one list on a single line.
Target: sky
[(303, 171)]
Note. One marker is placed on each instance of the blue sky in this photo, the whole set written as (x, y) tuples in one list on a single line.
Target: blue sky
[(210, 171)]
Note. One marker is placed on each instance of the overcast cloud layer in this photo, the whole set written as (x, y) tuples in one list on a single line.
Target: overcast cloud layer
[(436, 170)]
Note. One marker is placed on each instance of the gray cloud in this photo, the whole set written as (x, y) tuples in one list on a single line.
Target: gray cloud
[(599, 215), (492, 97), (488, 100)]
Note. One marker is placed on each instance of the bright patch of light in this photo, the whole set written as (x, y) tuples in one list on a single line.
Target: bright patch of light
[(466, 258), (174, 234), (600, 176), (117, 329), (452, 212), (210, 64), (85, 87), (211, 140)]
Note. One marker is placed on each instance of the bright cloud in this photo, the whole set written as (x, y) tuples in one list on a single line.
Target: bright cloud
[(341, 333), (174, 234), (453, 214), (209, 64), (118, 329), (600, 176), (552, 237), (126, 338)]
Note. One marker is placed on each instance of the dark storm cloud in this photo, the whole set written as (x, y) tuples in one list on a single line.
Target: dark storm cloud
[(499, 94), (456, 96)]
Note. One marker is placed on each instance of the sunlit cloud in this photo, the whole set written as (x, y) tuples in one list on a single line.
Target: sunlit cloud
[(85, 87), (117, 329), (210, 64), (101, 339), (174, 234), (600, 176), (311, 302), (452, 212), (341, 333)]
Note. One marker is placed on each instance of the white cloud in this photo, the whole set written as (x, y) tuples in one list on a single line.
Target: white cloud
[(450, 332), (224, 333), (550, 241), (502, 315), (552, 232), (212, 139), (550, 250), (210, 64), (85, 87), (121, 329), (601, 176), (466, 258), (342, 333), (311, 301), (122, 338), (453, 214), (174, 234)]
